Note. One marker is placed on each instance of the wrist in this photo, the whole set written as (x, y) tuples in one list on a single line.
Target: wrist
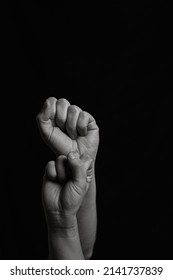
[(62, 233), (60, 224), (64, 244)]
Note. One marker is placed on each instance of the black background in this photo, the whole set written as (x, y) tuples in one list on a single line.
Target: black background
[(114, 61)]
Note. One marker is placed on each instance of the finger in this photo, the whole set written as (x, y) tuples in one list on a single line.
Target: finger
[(82, 123), (61, 112), (61, 166), (88, 165), (85, 122), (90, 172), (48, 111), (54, 137), (50, 171), (71, 122), (45, 119), (79, 168)]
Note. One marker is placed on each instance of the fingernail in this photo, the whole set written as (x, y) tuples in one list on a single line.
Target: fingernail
[(72, 155)]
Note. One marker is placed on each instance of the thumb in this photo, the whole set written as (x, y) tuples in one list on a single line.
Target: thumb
[(80, 168)]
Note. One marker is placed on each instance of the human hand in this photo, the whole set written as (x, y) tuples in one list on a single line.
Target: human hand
[(65, 184), (66, 128)]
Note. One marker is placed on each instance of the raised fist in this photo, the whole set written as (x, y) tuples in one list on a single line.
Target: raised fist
[(66, 128)]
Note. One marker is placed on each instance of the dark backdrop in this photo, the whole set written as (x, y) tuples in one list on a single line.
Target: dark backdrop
[(113, 61)]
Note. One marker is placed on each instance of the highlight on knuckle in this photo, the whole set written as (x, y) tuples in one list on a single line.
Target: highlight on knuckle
[(50, 100), (73, 108), (63, 100)]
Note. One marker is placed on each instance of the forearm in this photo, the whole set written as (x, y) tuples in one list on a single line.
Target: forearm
[(87, 220), (64, 244)]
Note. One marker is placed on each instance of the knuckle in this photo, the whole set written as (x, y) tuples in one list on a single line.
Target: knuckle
[(84, 114), (46, 104), (50, 100), (49, 167), (63, 100), (50, 164), (84, 118), (74, 109)]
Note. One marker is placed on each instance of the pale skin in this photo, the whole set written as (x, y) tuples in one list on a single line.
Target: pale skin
[(66, 128), (65, 184)]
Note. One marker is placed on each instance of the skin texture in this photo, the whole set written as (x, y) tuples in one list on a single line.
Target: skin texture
[(65, 184), (65, 128)]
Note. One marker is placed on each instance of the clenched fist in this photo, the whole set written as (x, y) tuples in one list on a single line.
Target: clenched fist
[(66, 128), (65, 183)]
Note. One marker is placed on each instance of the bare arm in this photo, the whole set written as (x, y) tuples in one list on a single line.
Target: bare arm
[(87, 220), (67, 128), (62, 196), (65, 244)]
